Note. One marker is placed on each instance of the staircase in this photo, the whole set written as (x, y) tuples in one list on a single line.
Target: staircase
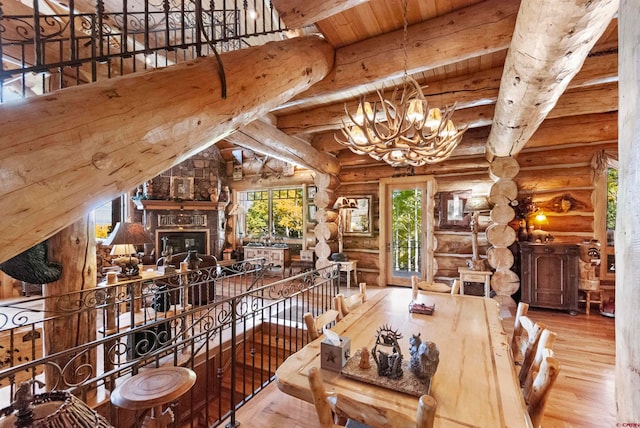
[(256, 359)]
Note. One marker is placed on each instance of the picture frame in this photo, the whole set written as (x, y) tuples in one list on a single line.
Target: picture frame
[(311, 213), (358, 221), (182, 188), (311, 192), (452, 215)]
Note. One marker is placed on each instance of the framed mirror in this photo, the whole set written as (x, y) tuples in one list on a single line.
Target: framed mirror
[(358, 221)]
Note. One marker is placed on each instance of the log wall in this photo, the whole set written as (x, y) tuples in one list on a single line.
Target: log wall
[(548, 174)]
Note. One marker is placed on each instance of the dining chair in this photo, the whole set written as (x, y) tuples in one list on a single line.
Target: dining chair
[(528, 339), (543, 381), (521, 311), (330, 405), (532, 362), (314, 325), (437, 287), (344, 305)]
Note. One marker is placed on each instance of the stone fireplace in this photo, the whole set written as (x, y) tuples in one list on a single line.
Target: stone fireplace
[(183, 224)]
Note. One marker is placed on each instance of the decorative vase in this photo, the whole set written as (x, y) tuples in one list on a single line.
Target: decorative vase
[(193, 260), (522, 231)]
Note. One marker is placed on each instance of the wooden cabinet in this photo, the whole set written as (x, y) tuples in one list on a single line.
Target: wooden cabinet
[(276, 256), (549, 275)]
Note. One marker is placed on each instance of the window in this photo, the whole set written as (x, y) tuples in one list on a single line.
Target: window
[(106, 217), (275, 213), (612, 202)]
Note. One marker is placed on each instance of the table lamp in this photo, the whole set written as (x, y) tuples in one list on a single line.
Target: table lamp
[(341, 204), (124, 238), (475, 205)]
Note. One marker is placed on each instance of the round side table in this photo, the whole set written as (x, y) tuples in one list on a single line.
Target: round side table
[(153, 388)]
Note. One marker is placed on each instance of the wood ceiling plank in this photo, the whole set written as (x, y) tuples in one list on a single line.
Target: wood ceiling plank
[(536, 74)]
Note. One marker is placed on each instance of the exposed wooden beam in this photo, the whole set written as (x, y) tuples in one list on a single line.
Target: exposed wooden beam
[(134, 127), (466, 33), (267, 139), (467, 91), (297, 13), (562, 131), (550, 43)]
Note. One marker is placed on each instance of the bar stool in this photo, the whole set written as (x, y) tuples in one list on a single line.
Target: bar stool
[(588, 299), (154, 388)]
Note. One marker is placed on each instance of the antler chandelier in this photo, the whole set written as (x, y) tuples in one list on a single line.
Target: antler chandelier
[(402, 130)]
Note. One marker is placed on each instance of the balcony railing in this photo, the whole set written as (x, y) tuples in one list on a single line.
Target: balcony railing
[(224, 323), (44, 48)]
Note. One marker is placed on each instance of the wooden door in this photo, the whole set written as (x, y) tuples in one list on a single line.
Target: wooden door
[(406, 229)]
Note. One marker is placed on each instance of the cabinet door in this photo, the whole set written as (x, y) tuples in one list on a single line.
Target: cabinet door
[(550, 280), (276, 257)]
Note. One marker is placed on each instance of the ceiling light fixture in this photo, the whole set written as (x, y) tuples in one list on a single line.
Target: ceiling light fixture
[(402, 130)]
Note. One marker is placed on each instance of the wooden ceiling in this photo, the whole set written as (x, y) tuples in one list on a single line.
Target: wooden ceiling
[(457, 49)]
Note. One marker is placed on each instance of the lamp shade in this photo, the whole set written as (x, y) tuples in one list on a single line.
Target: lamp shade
[(128, 233), (122, 250), (344, 202)]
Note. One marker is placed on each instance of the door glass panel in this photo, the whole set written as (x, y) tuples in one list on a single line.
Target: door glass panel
[(406, 227)]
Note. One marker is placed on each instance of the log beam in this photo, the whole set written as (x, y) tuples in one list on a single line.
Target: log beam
[(82, 154), (475, 95), (267, 139), (297, 14), (536, 74), (466, 33)]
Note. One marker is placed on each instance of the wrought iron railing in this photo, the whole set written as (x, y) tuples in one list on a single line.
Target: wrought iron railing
[(52, 47), (221, 322)]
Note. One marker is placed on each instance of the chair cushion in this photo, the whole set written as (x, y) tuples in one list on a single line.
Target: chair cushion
[(437, 287)]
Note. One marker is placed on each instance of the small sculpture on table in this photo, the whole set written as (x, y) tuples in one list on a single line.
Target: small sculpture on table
[(424, 357), (364, 358), (389, 363)]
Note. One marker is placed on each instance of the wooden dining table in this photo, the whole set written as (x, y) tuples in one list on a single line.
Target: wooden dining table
[(475, 384)]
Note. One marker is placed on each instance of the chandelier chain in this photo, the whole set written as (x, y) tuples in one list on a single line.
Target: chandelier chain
[(405, 40), (400, 128)]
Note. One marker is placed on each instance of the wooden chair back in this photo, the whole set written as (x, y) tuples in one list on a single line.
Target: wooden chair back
[(436, 287), (523, 309), (314, 325), (345, 305), (530, 352), (528, 371), (543, 381), (331, 405), (528, 341)]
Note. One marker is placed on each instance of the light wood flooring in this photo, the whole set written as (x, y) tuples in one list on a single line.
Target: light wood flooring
[(583, 395)]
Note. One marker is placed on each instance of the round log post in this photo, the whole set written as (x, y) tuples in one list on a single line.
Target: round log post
[(627, 224), (74, 248), (500, 235)]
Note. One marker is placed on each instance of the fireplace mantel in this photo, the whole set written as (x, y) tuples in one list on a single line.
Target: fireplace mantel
[(187, 218), (159, 204)]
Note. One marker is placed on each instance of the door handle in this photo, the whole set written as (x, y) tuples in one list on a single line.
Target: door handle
[(388, 248)]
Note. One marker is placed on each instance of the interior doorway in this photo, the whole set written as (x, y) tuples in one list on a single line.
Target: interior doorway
[(406, 210)]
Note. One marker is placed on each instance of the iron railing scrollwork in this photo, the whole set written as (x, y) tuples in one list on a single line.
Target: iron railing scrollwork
[(80, 46), (235, 321)]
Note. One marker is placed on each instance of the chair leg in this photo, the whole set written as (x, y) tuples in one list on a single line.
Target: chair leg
[(588, 301)]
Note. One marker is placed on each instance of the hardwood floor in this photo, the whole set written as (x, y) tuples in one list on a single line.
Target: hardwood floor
[(583, 395)]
